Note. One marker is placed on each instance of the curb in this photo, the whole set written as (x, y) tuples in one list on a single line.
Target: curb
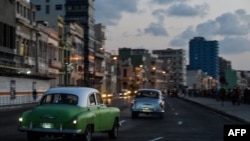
[(218, 111), (16, 106)]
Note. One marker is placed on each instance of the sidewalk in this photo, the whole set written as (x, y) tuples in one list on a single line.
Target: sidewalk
[(7, 103), (239, 112)]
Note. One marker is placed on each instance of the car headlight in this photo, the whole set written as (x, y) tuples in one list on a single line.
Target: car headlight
[(20, 119), (75, 121)]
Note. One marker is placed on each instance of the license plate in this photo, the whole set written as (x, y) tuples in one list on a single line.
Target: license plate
[(146, 110), (47, 125)]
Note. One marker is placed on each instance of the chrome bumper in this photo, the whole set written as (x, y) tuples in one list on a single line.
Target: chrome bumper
[(43, 130)]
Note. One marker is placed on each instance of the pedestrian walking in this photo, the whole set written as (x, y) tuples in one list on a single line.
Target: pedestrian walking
[(246, 95), (34, 92), (236, 96), (222, 95)]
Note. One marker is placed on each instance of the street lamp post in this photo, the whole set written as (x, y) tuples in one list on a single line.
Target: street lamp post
[(116, 85)]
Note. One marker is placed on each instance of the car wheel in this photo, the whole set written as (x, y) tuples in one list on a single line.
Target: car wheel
[(135, 114), (113, 133), (31, 136), (87, 136)]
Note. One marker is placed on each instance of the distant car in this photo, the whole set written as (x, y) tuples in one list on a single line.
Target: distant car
[(148, 101), (70, 112), (107, 95), (124, 92)]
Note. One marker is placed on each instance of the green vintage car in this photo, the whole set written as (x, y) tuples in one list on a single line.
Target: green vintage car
[(70, 112)]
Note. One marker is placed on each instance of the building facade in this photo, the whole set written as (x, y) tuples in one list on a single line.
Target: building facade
[(107, 85), (82, 11), (20, 48), (75, 43), (223, 65), (203, 55), (174, 64), (138, 68), (158, 76), (99, 56)]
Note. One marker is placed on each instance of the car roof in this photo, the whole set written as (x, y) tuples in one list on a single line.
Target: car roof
[(74, 90), (81, 92), (149, 89)]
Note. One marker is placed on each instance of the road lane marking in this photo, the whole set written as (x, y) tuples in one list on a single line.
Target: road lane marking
[(180, 122), (122, 121), (156, 139)]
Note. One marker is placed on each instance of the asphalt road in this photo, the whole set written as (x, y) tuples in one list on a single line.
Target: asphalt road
[(183, 121)]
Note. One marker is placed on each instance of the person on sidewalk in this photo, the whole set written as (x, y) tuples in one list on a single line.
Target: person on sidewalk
[(34, 92), (246, 95), (222, 95), (236, 96)]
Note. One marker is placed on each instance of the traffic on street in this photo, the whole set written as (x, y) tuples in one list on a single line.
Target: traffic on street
[(183, 121)]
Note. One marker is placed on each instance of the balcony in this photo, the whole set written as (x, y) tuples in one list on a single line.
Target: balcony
[(99, 74), (55, 64), (30, 61)]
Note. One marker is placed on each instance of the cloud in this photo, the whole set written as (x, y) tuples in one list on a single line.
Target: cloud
[(233, 28), (181, 40), (234, 45), (207, 29), (156, 29), (159, 14), (186, 10), (166, 1), (227, 24), (109, 12), (233, 23)]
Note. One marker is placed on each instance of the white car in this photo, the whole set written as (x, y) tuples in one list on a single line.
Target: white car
[(148, 101)]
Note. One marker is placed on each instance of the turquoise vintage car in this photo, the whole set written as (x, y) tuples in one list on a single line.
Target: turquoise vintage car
[(70, 112)]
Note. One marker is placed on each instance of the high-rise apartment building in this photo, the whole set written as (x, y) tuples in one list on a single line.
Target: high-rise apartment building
[(82, 11), (203, 55)]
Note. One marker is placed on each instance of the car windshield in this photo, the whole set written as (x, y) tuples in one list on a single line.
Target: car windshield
[(60, 99), (147, 94)]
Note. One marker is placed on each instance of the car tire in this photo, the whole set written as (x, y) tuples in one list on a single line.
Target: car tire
[(135, 115), (113, 133), (87, 136), (31, 136)]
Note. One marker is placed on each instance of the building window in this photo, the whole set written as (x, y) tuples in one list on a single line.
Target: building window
[(124, 72), (58, 7), (38, 7), (33, 15), (47, 9), (17, 7), (24, 12), (29, 14)]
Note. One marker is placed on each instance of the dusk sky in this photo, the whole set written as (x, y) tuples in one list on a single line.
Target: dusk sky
[(161, 24)]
